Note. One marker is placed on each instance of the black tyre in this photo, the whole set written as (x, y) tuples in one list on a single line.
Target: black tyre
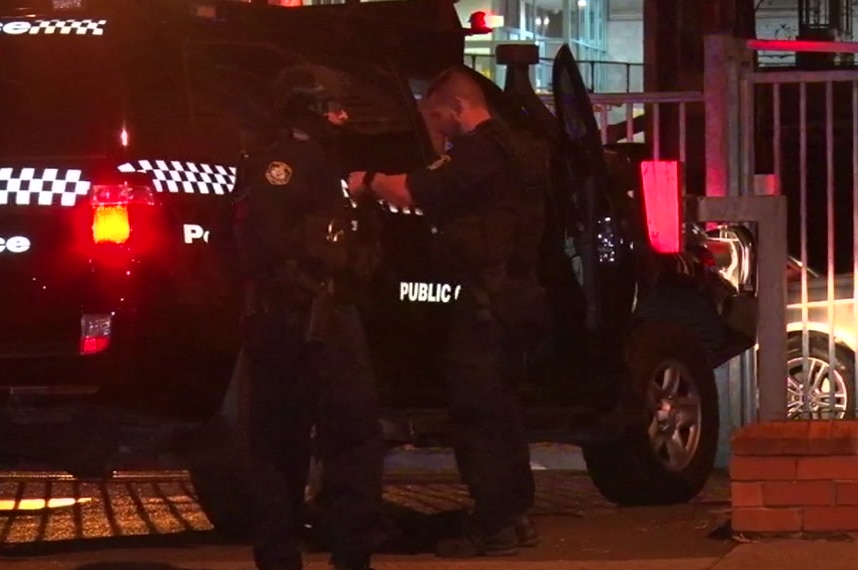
[(218, 463), (666, 453), (221, 481), (808, 390)]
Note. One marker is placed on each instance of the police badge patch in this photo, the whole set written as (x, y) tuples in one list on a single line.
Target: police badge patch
[(278, 173)]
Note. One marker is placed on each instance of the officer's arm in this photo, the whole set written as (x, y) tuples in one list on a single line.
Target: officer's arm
[(457, 182), (276, 196)]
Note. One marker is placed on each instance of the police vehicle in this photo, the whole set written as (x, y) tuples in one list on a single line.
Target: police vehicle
[(123, 123)]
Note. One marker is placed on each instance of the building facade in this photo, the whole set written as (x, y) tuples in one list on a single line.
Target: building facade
[(550, 23), (606, 36)]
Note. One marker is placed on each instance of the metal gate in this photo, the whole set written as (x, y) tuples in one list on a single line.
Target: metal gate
[(798, 137)]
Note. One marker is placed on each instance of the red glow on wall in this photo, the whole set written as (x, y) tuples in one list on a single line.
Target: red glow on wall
[(662, 195)]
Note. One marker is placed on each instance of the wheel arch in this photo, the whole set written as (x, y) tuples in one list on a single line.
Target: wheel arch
[(822, 330)]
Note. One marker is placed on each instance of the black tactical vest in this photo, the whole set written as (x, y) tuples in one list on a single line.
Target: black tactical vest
[(502, 237), (494, 251)]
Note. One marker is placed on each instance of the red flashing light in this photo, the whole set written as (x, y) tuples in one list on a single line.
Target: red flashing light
[(661, 192), (479, 23)]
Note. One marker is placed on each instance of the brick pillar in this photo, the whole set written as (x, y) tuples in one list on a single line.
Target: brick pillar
[(795, 477)]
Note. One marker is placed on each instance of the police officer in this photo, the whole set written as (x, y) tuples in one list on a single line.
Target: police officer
[(484, 200), (307, 354)]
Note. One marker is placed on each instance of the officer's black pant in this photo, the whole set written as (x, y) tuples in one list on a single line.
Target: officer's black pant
[(490, 446), (293, 386)]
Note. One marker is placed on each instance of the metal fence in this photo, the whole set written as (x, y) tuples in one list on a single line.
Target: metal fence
[(645, 118), (802, 127), (599, 76)]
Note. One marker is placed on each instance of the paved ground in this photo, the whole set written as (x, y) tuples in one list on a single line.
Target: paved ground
[(151, 521)]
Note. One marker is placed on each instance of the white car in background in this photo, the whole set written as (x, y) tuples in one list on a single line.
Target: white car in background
[(828, 366)]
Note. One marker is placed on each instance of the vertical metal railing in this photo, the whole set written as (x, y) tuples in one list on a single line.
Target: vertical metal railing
[(659, 120), (598, 76), (812, 118)]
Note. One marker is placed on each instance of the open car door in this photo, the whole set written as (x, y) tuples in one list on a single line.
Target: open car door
[(593, 232)]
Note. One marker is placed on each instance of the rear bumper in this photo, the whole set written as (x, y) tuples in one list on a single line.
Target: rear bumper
[(164, 365), (60, 364)]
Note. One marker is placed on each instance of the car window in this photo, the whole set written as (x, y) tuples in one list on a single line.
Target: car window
[(239, 79)]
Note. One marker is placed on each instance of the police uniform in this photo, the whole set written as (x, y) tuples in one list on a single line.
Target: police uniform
[(308, 361), (489, 226)]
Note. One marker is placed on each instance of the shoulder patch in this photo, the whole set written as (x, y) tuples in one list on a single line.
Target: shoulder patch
[(278, 173), (444, 159)]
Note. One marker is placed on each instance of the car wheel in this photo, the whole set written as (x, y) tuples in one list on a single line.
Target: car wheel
[(219, 475), (809, 389), (218, 463), (666, 452)]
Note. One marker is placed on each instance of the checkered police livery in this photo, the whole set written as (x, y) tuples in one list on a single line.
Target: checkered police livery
[(175, 176), (41, 186), (60, 27), (394, 210), (385, 205), (69, 27)]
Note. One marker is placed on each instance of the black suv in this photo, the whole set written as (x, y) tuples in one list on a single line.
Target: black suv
[(123, 123)]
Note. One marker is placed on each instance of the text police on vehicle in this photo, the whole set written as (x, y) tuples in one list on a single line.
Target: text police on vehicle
[(60, 27), (15, 244)]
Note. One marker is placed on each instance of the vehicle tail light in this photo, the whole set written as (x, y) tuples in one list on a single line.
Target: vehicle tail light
[(661, 193), (112, 209), (94, 333)]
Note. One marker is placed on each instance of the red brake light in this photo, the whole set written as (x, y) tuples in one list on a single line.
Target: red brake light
[(110, 224), (110, 209), (661, 193), (95, 333), (92, 345)]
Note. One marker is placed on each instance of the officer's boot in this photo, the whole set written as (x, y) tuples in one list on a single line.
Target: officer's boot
[(526, 532), (478, 541)]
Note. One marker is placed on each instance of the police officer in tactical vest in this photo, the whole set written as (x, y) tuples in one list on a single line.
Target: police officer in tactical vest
[(485, 198), (308, 361)]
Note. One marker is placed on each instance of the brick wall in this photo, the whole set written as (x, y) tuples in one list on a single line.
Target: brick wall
[(799, 476)]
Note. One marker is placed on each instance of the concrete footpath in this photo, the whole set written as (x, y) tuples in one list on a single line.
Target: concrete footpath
[(152, 522), (775, 555)]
